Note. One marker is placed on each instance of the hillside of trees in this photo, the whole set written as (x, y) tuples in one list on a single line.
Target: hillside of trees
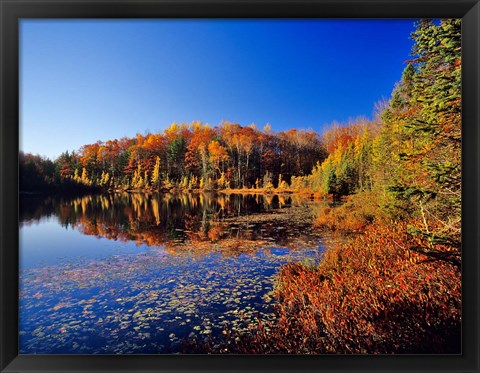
[(184, 156)]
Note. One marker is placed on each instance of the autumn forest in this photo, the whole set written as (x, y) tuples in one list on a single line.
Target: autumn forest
[(386, 191)]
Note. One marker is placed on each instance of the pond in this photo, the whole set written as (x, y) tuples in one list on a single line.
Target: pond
[(142, 273)]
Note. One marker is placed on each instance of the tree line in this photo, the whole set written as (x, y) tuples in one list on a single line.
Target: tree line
[(184, 156)]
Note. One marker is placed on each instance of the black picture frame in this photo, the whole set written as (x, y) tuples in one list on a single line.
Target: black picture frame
[(13, 10)]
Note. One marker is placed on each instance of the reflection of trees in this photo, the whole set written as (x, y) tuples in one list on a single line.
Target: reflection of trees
[(169, 220)]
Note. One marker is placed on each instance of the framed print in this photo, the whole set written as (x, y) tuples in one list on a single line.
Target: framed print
[(239, 186)]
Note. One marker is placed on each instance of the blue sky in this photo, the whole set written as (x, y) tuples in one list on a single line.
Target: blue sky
[(88, 80)]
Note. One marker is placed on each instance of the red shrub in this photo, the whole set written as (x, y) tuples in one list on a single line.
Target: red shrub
[(372, 295)]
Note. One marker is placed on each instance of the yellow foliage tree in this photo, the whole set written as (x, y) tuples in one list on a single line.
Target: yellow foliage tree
[(137, 179), (222, 181), (282, 184), (84, 179), (156, 173)]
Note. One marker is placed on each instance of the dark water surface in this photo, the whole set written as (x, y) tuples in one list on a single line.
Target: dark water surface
[(134, 273)]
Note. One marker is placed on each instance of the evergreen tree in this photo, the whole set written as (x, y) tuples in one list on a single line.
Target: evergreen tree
[(424, 120)]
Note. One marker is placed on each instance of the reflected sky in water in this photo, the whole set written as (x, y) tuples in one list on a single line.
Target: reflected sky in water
[(48, 243)]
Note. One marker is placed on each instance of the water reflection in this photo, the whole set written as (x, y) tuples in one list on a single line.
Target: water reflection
[(201, 264), (181, 220)]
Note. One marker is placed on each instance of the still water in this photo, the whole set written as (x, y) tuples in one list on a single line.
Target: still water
[(133, 273)]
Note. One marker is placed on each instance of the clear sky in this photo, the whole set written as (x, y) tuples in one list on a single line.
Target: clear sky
[(88, 80)]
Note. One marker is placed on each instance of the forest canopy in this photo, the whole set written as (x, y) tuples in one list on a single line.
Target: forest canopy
[(188, 156)]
